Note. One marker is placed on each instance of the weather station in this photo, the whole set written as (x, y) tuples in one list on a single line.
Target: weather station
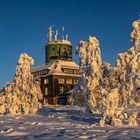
[(58, 49), (60, 73)]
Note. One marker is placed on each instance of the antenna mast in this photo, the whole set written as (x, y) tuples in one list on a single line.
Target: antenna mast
[(56, 34), (50, 33), (63, 33), (67, 37)]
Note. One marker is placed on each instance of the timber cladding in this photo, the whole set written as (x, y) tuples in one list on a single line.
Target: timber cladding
[(54, 85)]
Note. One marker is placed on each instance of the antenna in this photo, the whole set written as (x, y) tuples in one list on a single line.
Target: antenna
[(56, 34), (67, 37), (50, 34), (63, 32)]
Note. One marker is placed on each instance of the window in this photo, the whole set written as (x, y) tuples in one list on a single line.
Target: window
[(43, 72), (75, 81), (68, 71), (76, 71), (46, 81), (46, 71), (40, 72), (61, 89), (46, 91), (69, 81), (61, 80), (35, 73)]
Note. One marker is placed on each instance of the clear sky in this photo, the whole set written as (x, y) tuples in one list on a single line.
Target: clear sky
[(24, 25)]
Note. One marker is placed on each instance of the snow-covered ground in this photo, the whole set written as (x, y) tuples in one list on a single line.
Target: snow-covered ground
[(61, 122)]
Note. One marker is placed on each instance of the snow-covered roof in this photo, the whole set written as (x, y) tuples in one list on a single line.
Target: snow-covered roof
[(42, 67), (67, 42), (62, 74), (69, 64), (55, 67), (37, 68)]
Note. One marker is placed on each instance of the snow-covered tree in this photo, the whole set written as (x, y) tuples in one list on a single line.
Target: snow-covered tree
[(111, 91), (90, 63), (23, 94)]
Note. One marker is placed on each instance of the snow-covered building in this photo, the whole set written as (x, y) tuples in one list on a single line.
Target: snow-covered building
[(60, 73)]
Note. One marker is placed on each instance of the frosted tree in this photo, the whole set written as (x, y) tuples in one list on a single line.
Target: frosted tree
[(112, 91), (90, 63), (127, 83), (135, 35), (23, 94), (128, 65), (137, 89)]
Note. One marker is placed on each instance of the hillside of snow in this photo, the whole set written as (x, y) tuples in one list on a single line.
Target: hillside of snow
[(61, 122)]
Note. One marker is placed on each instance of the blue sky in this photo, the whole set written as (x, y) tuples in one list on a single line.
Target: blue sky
[(24, 25)]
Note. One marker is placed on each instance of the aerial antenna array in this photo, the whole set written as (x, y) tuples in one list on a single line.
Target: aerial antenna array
[(55, 38)]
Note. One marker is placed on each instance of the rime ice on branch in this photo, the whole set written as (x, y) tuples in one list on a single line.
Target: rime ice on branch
[(23, 94)]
